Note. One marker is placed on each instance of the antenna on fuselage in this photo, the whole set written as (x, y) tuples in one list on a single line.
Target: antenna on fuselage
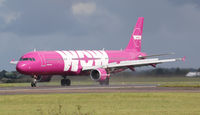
[(34, 49)]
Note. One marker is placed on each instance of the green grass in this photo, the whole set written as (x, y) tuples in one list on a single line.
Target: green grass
[(14, 84), (101, 104), (171, 81)]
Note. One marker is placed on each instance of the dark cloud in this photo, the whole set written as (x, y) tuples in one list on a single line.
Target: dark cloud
[(40, 17)]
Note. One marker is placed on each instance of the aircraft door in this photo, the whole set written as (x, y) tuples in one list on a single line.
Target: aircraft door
[(42, 58)]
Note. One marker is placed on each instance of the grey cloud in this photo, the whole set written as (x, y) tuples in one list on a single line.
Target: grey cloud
[(44, 17), (169, 26), (181, 2)]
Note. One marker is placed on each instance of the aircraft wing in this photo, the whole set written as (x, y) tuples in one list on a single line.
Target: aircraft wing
[(134, 63)]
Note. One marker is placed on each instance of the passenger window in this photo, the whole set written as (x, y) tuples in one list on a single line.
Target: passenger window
[(33, 59), (30, 59)]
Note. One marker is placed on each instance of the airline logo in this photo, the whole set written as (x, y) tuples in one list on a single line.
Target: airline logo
[(84, 58), (137, 37)]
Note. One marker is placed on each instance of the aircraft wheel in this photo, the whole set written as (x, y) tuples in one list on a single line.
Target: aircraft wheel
[(33, 84), (65, 82), (34, 81), (68, 82)]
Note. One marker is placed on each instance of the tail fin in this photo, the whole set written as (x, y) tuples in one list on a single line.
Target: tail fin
[(135, 40)]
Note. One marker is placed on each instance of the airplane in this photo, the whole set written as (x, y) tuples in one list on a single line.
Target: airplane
[(99, 64)]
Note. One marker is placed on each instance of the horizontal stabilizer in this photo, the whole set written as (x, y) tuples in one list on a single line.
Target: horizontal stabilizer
[(156, 55), (13, 62)]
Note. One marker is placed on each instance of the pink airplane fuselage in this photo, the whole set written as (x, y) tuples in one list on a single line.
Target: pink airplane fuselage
[(71, 62)]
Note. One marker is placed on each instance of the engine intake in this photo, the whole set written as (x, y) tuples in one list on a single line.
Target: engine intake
[(99, 74)]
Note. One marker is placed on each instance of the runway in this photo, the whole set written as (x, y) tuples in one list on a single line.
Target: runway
[(93, 89)]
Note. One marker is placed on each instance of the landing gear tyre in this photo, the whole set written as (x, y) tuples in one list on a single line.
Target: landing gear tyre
[(62, 82), (34, 81), (33, 84), (65, 82), (68, 82)]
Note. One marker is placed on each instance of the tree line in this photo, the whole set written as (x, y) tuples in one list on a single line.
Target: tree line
[(14, 76)]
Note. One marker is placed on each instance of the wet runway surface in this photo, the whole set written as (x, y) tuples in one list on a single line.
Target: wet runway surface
[(93, 89)]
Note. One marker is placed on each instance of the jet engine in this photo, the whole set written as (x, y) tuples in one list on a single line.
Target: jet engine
[(99, 74), (44, 78)]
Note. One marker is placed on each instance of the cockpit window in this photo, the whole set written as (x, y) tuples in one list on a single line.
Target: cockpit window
[(26, 59)]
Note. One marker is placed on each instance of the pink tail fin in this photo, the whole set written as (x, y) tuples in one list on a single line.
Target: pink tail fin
[(135, 40)]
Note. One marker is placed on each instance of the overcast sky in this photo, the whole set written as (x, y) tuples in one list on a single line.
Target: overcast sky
[(169, 26)]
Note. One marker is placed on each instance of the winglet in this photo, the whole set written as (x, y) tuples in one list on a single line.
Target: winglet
[(180, 59), (183, 59), (13, 61)]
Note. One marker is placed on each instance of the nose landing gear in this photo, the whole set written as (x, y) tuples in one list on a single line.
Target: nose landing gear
[(34, 81)]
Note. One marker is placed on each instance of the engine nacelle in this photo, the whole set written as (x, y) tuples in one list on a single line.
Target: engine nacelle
[(44, 78), (99, 74)]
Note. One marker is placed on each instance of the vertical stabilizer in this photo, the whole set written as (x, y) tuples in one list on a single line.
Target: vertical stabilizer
[(136, 37)]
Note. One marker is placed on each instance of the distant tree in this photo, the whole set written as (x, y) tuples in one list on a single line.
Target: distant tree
[(2, 73), (177, 71), (159, 71)]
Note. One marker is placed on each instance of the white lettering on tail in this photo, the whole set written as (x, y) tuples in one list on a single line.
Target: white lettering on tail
[(137, 37)]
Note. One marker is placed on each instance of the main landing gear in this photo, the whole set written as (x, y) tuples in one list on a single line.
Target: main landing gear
[(65, 82), (34, 81)]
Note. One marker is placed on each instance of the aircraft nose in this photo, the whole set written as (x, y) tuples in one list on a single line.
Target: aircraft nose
[(22, 67)]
